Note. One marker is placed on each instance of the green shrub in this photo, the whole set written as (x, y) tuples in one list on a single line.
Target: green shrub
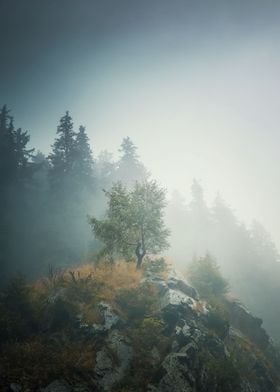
[(206, 277)]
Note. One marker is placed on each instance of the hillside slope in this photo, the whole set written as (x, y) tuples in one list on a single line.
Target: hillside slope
[(117, 329)]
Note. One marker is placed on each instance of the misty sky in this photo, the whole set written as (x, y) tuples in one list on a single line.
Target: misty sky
[(195, 84)]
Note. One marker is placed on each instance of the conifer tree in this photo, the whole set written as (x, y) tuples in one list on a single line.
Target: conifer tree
[(62, 157), (83, 157), (130, 169)]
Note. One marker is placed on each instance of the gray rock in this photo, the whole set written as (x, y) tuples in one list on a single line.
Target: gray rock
[(81, 388), (57, 386), (109, 317), (15, 387), (187, 332), (112, 361), (242, 319), (154, 356), (110, 320), (157, 281), (175, 298), (177, 282), (177, 377)]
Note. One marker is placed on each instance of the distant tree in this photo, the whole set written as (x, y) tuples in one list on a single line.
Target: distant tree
[(223, 215), (130, 169), (206, 277), (83, 164), (134, 221), (62, 157), (16, 177), (15, 163), (197, 204)]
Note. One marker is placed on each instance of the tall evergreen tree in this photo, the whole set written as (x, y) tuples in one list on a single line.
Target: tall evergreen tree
[(130, 169), (16, 170), (62, 157), (83, 157)]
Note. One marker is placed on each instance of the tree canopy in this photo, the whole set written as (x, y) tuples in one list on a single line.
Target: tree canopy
[(134, 224)]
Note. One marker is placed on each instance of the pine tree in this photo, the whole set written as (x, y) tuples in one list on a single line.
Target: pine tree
[(62, 157), (83, 157), (16, 172), (7, 148), (130, 169)]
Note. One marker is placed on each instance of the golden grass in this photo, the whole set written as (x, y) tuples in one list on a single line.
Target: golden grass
[(105, 279), (113, 278)]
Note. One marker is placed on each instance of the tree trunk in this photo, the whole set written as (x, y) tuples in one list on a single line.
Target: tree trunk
[(139, 261), (140, 253)]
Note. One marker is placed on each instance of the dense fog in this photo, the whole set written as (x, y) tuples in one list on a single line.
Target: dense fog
[(186, 93)]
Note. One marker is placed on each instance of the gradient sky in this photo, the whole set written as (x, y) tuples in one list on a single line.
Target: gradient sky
[(195, 84)]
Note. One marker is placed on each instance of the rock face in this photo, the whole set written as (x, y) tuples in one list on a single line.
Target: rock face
[(58, 386), (207, 352), (243, 320), (110, 369)]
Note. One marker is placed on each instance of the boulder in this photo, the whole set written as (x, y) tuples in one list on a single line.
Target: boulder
[(112, 361), (57, 386), (176, 281), (15, 387), (243, 320), (110, 319), (177, 377), (175, 298)]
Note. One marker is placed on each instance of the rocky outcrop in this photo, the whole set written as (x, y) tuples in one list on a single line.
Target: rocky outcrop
[(244, 321), (57, 386), (112, 361), (181, 344), (207, 354)]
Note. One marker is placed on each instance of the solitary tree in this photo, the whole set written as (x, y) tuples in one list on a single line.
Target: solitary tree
[(134, 224)]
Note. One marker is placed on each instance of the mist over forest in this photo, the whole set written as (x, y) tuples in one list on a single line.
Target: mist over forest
[(139, 196), (47, 202)]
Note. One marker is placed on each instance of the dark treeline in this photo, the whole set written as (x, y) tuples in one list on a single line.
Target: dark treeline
[(45, 200), (247, 256)]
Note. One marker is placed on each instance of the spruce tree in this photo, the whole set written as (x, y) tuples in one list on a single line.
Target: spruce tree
[(62, 157), (83, 157), (130, 168)]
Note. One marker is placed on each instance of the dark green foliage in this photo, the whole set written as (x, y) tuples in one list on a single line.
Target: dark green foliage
[(83, 165), (17, 316), (223, 376), (150, 345), (16, 171), (63, 150)]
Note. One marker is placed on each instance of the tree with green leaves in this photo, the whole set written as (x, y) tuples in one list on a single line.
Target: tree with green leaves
[(134, 223)]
